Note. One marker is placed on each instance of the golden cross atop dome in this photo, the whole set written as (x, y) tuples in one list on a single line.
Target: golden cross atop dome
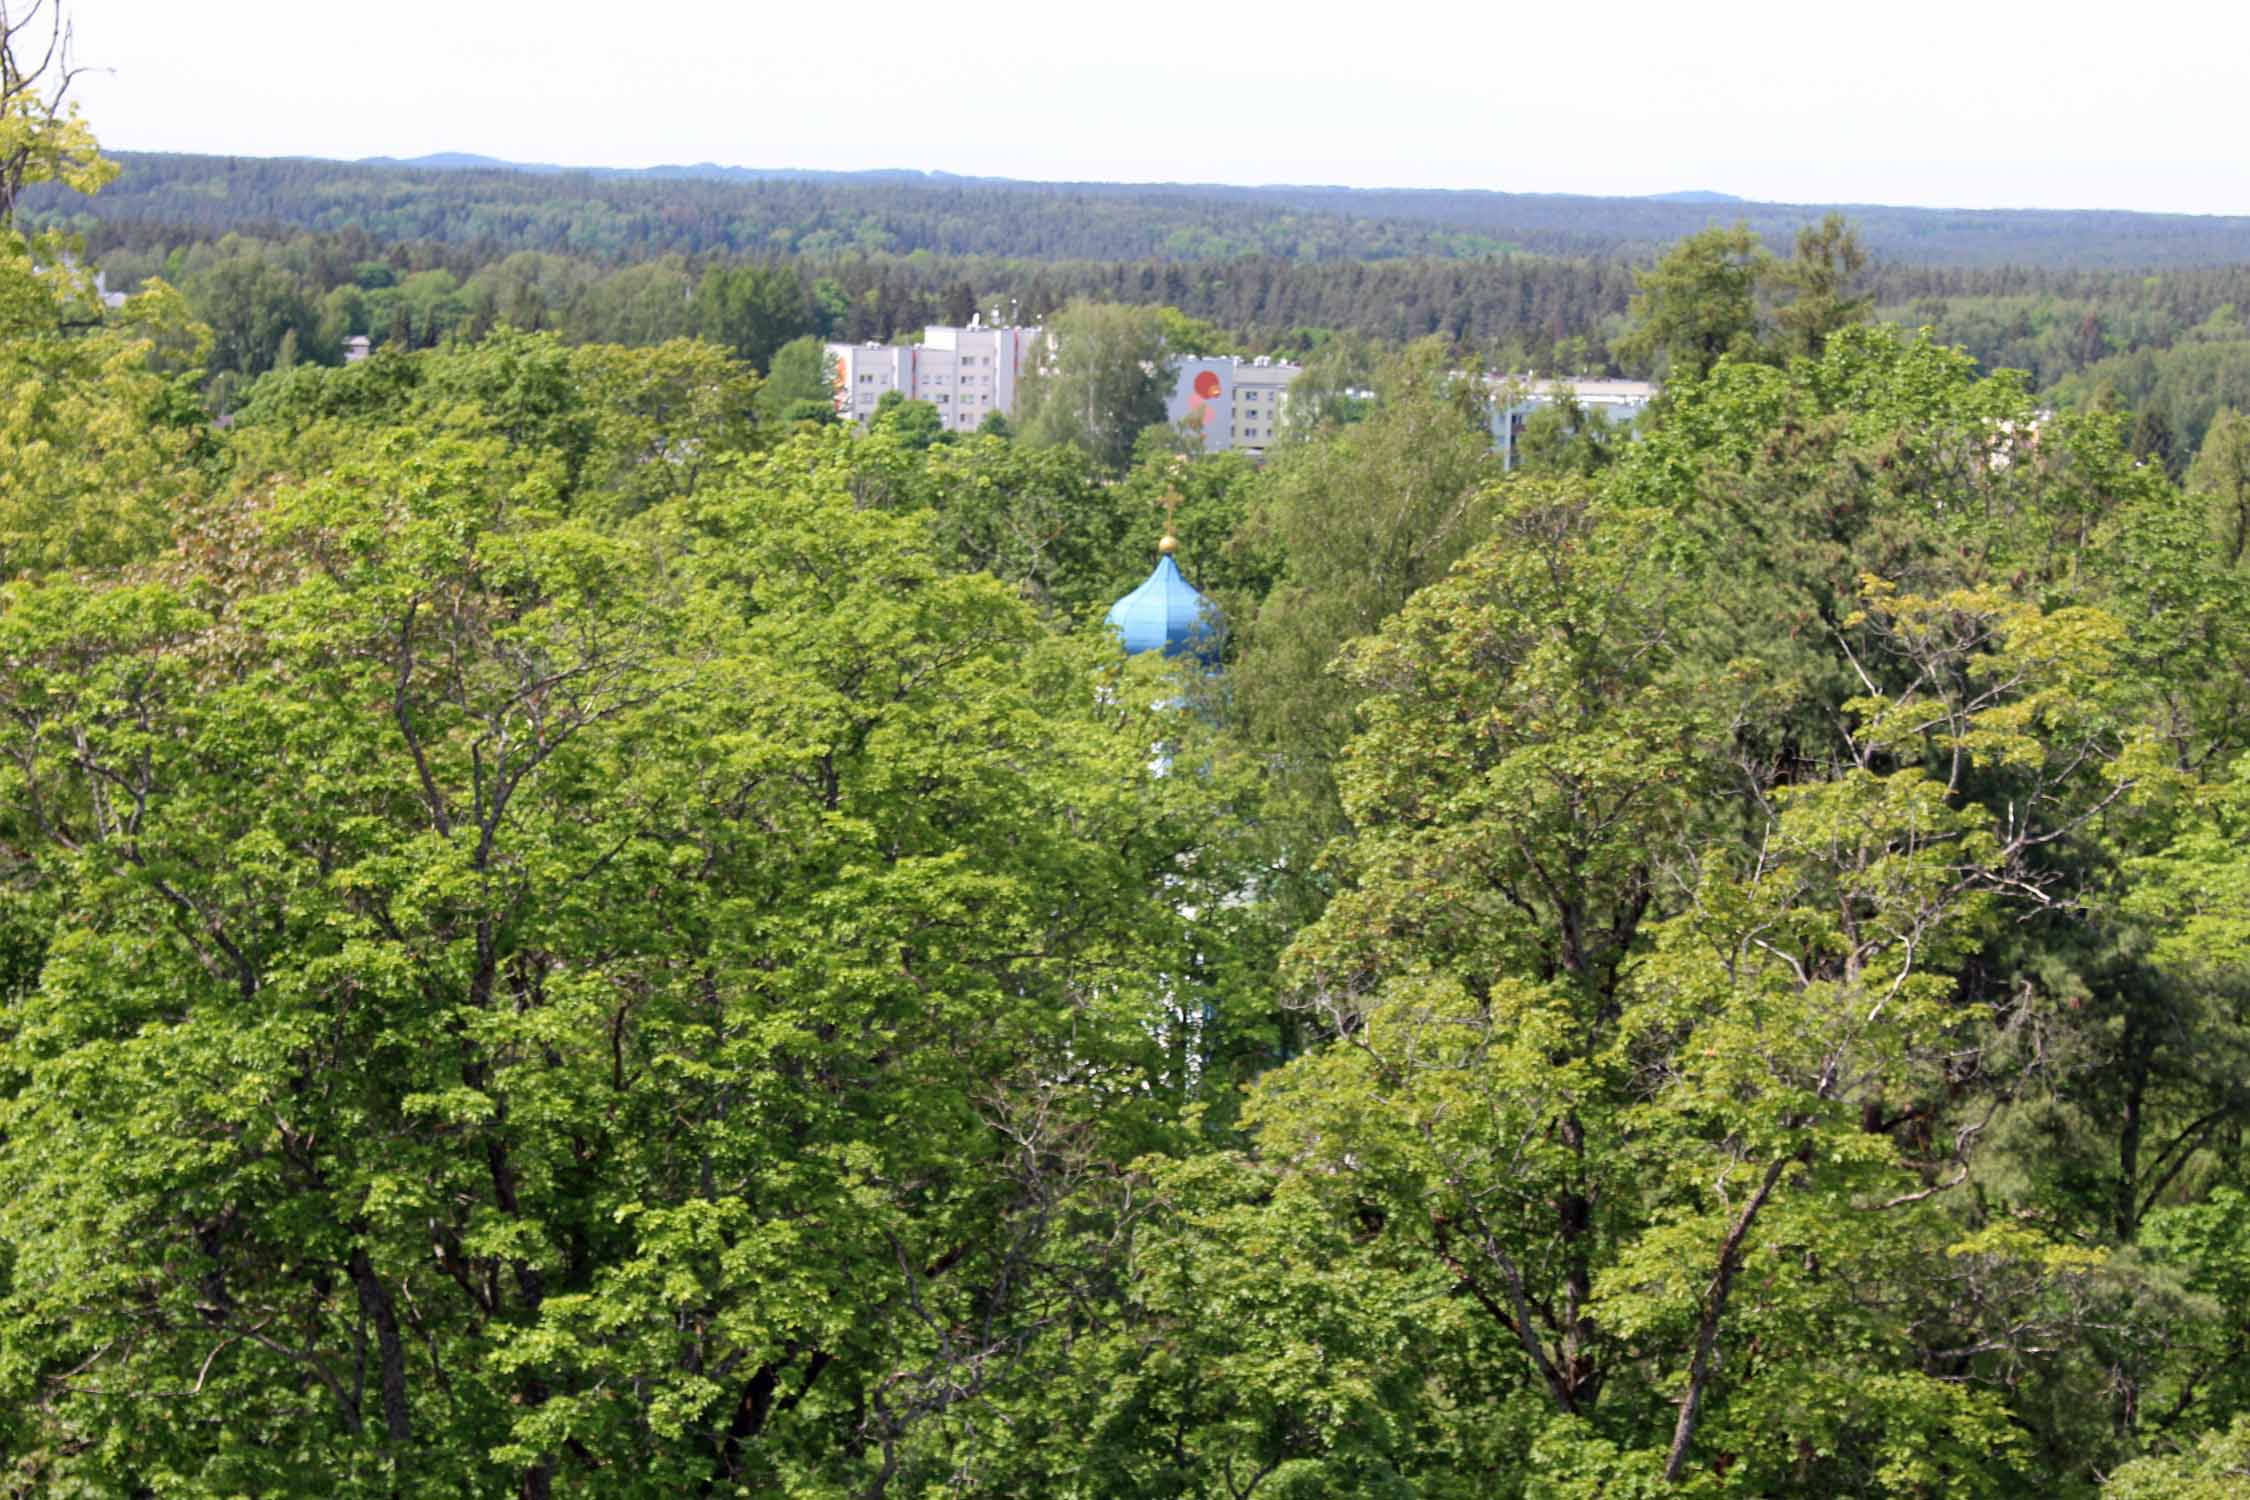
[(1171, 543)]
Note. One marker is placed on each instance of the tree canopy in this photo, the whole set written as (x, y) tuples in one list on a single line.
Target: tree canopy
[(569, 931)]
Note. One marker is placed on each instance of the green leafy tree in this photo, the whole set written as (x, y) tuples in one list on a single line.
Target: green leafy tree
[(1699, 303), (1104, 375), (1327, 393), (1038, 519), (831, 307), (1890, 458), (665, 418), (2222, 471), (530, 290), (2215, 1469), (1588, 1071), (801, 386), (753, 310), (100, 433), (1185, 336), (2152, 440), (1357, 524), (42, 136), (641, 304), (1565, 436), (2208, 1242), (253, 305), (917, 424), (608, 431), (1820, 279), (1210, 501), (100, 436), (560, 939), (541, 1017)]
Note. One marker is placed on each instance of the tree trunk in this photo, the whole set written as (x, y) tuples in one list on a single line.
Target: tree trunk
[(375, 1302), (2127, 1194), (1707, 1334)]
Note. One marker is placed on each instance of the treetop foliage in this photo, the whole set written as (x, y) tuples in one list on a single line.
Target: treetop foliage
[(735, 211), (570, 926)]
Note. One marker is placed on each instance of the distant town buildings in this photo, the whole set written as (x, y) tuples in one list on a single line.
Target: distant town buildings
[(1236, 402), (966, 373), (969, 373)]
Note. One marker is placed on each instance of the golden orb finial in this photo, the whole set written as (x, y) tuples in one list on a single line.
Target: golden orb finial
[(1171, 543)]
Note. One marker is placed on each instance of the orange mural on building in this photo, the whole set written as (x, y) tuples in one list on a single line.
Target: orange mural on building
[(1207, 390)]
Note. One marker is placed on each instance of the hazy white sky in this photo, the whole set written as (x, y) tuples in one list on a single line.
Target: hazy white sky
[(1968, 102)]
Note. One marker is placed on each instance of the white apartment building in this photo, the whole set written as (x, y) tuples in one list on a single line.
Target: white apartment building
[(966, 373), (1616, 400), (1237, 402)]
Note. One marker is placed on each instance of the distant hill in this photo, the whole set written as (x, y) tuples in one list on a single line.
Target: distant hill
[(444, 160), (714, 172), (706, 208), (702, 171)]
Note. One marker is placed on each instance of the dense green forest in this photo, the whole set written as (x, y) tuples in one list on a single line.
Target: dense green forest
[(413, 257), (570, 928), (721, 211), (2173, 341)]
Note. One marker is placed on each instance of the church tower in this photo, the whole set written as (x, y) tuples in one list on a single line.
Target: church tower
[(1166, 613)]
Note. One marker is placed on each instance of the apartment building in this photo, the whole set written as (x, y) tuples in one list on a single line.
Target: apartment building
[(1516, 397), (1237, 402), (966, 373)]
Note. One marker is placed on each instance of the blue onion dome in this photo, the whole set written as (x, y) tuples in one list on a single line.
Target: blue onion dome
[(1167, 614)]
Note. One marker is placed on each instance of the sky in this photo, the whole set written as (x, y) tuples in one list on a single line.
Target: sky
[(1973, 103)]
